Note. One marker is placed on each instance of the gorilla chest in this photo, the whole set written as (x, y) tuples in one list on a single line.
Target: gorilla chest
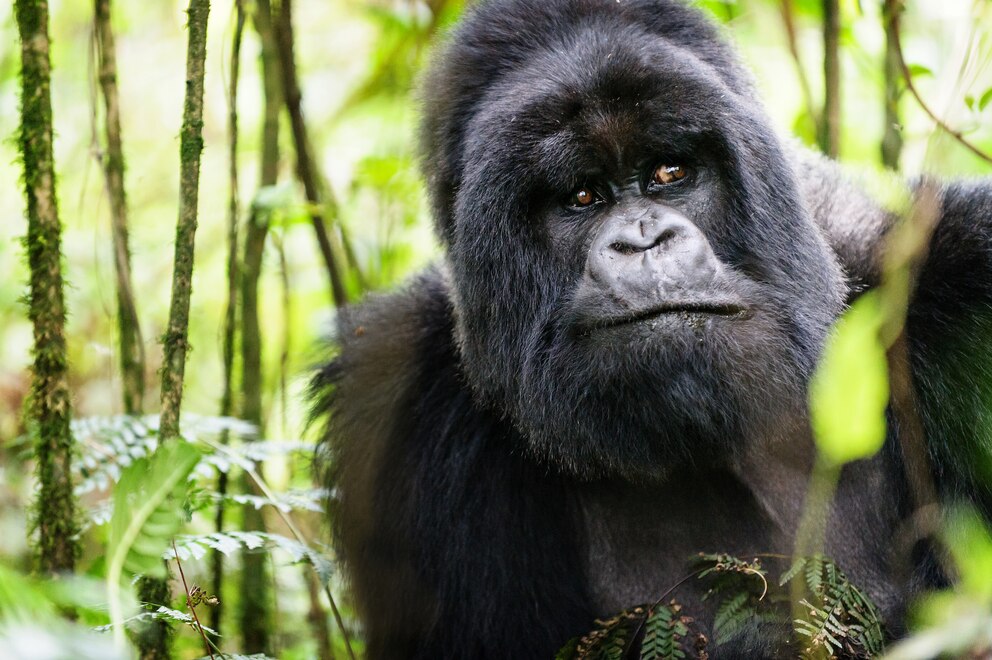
[(640, 540)]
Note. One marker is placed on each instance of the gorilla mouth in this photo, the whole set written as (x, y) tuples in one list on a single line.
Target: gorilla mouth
[(725, 309)]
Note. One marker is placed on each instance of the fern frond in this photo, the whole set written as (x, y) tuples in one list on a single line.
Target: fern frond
[(841, 620), (797, 567), (195, 547), (732, 616), (297, 500), (163, 613), (108, 445), (814, 573)]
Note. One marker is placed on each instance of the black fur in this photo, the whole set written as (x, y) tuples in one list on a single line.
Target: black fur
[(501, 479)]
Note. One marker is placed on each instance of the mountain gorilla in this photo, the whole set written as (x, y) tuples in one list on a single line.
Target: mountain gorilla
[(608, 371)]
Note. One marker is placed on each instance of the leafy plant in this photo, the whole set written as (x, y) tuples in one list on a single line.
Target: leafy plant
[(650, 632), (147, 505), (664, 631), (742, 587), (195, 547), (835, 620), (956, 622)]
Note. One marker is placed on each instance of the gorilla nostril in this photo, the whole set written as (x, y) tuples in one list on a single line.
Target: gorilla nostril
[(664, 237), (624, 248)]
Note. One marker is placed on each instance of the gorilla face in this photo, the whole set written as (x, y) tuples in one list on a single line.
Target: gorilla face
[(636, 282)]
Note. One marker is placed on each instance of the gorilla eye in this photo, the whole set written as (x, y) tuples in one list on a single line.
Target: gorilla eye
[(583, 197), (668, 174)]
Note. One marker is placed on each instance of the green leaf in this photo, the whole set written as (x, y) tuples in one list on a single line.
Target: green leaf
[(148, 511), (970, 544), (850, 389), (732, 615), (918, 70), (985, 100), (793, 571), (659, 638), (148, 508)]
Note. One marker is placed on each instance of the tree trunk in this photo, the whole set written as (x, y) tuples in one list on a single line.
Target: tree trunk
[(132, 350), (255, 615), (49, 409), (230, 316), (190, 145), (154, 646)]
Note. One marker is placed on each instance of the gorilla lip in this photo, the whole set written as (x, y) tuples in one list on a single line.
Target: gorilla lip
[(694, 308)]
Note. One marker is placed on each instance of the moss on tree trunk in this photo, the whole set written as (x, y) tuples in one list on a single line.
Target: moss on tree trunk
[(176, 339), (153, 645), (49, 409)]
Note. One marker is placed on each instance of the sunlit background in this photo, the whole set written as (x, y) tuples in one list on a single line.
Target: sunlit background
[(358, 62)]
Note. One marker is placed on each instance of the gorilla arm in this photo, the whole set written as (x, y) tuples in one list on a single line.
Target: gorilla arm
[(950, 317), (434, 502), (950, 335)]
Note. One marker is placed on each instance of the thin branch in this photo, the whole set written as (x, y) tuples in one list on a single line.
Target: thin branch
[(189, 602), (254, 607), (318, 617), (892, 137), (830, 137), (306, 169), (908, 77), (175, 341)]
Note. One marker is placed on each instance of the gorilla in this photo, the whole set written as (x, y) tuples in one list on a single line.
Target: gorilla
[(607, 372)]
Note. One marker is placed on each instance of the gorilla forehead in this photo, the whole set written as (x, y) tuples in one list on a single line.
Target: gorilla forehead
[(497, 39), (604, 106)]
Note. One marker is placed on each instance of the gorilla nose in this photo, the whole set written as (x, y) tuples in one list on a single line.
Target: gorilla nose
[(647, 234), (657, 256)]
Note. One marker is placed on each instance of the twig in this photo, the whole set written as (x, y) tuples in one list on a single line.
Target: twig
[(892, 137), (662, 597), (908, 77), (830, 138), (189, 602), (317, 191)]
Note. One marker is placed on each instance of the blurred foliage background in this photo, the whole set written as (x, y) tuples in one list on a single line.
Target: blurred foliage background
[(358, 63)]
